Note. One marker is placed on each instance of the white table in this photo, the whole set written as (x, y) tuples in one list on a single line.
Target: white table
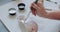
[(11, 22)]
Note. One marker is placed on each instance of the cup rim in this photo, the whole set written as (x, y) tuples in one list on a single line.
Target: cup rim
[(21, 4)]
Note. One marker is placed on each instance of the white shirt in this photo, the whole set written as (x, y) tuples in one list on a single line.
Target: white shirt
[(46, 25)]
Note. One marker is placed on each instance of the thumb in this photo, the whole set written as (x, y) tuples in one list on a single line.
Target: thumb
[(34, 12), (41, 1)]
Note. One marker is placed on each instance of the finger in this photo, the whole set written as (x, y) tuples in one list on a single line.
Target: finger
[(33, 10), (31, 5), (35, 6), (41, 1), (40, 4)]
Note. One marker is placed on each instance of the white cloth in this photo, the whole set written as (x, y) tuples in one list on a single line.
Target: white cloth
[(45, 25)]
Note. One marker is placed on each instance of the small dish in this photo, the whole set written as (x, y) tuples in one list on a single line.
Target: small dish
[(21, 6), (12, 11)]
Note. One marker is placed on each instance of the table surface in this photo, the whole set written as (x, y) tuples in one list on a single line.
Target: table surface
[(11, 22)]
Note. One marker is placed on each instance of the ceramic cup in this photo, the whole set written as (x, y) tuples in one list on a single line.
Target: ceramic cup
[(12, 11), (21, 6)]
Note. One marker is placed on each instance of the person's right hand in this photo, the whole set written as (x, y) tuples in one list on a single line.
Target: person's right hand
[(38, 9)]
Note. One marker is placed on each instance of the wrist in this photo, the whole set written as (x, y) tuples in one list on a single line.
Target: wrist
[(42, 14)]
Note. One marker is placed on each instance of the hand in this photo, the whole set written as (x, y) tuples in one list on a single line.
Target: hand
[(38, 9)]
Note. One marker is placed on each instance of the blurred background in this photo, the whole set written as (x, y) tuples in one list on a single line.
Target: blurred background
[(48, 4), (4, 1)]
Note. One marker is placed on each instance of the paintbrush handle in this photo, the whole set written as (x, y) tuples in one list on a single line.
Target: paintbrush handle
[(36, 1)]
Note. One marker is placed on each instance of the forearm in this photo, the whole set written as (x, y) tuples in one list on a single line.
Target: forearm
[(52, 15)]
